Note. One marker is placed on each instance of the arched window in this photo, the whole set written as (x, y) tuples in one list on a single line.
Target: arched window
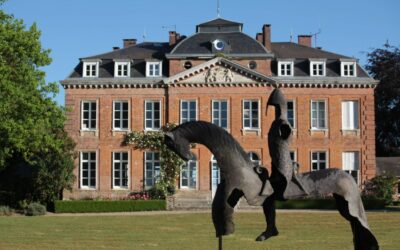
[(189, 174)]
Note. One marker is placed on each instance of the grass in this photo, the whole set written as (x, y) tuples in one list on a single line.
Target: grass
[(189, 231)]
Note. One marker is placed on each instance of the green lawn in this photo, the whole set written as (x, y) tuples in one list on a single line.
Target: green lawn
[(189, 231)]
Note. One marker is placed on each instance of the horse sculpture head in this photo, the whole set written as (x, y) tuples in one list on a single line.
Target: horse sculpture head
[(179, 144)]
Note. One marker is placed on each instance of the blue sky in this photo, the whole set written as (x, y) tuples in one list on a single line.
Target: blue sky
[(77, 28)]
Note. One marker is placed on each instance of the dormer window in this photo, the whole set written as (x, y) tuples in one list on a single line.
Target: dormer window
[(317, 68), (122, 69), (90, 69), (348, 68), (285, 68), (153, 69)]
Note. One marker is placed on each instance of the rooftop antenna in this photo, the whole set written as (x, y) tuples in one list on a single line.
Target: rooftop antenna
[(169, 26), (291, 35), (144, 35), (315, 36), (218, 10)]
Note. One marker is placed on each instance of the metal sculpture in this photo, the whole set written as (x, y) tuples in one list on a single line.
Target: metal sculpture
[(240, 177)]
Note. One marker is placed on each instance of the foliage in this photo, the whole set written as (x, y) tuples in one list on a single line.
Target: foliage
[(384, 65), (36, 154), (5, 211), (169, 161), (35, 209), (382, 187), (93, 206)]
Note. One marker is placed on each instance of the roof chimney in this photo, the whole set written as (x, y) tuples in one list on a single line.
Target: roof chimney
[(129, 42), (304, 40), (115, 48), (267, 36), (260, 37), (173, 38)]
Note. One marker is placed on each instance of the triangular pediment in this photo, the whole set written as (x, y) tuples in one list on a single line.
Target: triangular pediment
[(219, 71)]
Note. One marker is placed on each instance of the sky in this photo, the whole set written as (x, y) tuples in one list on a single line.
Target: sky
[(73, 29)]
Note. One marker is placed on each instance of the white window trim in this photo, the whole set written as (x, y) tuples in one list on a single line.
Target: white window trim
[(80, 171), (212, 161), (358, 116), (312, 63), (180, 109), (294, 112), (259, 115), (145, 170), (113, 115), (97, 115), (148, 68), (227, 111), (290, 62), (326, 115), (250, 153), (85, 64), (358, 165), (342, 64), (116, 64), (197, 176), (326, 159), (145, 105), (128, 171)]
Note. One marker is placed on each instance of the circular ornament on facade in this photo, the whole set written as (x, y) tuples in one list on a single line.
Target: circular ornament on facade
[(219, 44), (187, 65), (252, 65)]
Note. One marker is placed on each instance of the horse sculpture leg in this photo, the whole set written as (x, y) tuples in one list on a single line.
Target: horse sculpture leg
[(225, 200), (270, 217)]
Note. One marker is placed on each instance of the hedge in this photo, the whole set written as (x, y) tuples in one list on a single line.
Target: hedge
[(369, 203), (95, 206)]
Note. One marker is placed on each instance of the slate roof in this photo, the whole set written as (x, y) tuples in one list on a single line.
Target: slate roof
[(238, 43), (220, 22), (388, 165)]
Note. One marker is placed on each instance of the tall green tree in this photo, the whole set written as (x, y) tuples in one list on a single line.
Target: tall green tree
[(384, 65), (32, 132)]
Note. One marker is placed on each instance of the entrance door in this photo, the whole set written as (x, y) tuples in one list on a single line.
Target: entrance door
[(215, 176), (189, 174)]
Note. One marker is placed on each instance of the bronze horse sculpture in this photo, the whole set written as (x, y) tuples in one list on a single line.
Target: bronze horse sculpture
[(240, 177)]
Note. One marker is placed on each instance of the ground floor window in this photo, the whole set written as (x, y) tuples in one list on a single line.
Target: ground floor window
[(189, 174), (318, 160), (254, 158), (215, 175), (351, 164), (88, 170), (120, 170), (152, 168)]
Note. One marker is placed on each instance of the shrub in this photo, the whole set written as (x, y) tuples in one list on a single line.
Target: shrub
[(381, 187), (35, 209), (93, 206), (5, 211)]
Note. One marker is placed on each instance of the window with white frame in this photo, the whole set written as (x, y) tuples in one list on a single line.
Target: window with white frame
[(254, 158), (89, 115), (318, 160), (285, 68), (220, 113), (152, 168), (215, 174), (189, 174), (153, 69), (351, 164), (120, 115), (88, 171), (318, 114), (122, 69), (90, 69), (251, 114), (291, 116), (120, 170), (348, 68), (188, 110), (152, 115), (293, 155), (317, 68), (350, 115)]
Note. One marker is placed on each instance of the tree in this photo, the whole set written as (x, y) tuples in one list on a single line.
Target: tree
[(33, 143), (384, 65)]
